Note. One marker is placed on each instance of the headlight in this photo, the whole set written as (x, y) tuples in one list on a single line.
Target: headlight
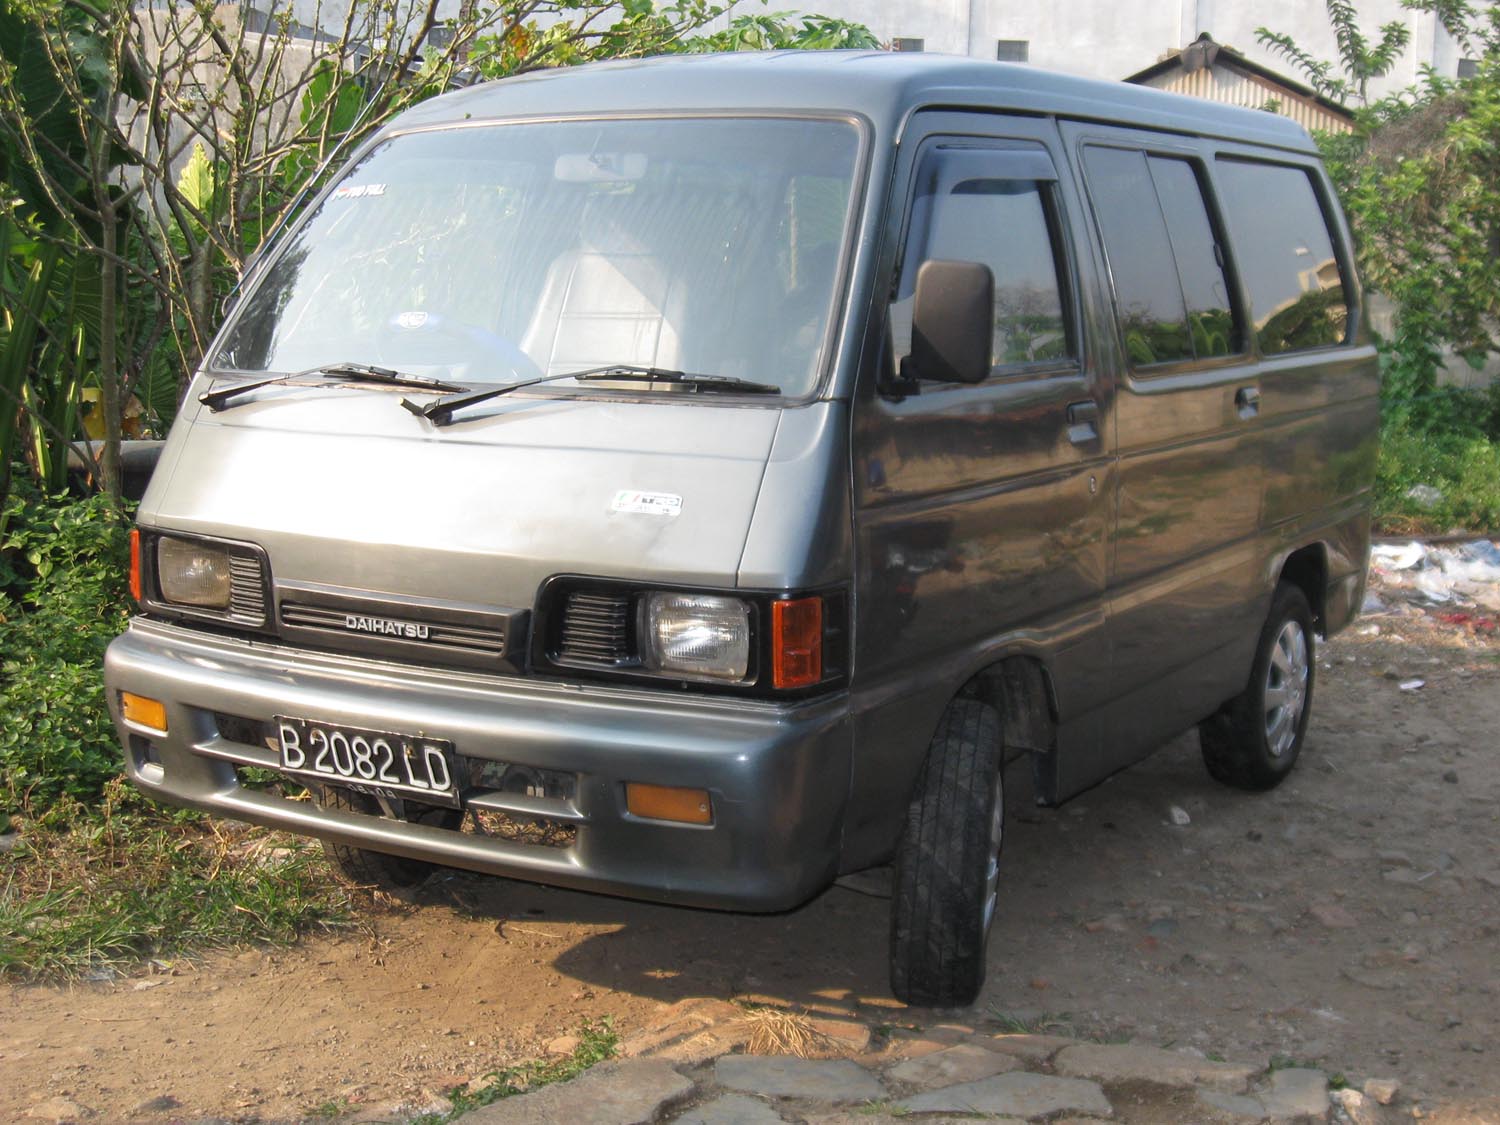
[(193, 573), (697, 636)]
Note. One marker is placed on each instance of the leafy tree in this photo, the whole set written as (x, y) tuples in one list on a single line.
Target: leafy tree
[(1359, 60)]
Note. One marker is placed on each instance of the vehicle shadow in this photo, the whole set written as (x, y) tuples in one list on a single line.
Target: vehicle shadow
[(829, 954)]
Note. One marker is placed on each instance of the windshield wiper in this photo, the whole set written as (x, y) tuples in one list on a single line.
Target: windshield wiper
[(440, 411), (344, 372)]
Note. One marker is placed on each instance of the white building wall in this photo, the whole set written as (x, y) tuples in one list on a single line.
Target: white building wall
[(1114, 38)]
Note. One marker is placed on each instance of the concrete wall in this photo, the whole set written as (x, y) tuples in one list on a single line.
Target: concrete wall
[(1113, 38)]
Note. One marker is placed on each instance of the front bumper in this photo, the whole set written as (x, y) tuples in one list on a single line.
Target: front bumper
[(778, 775)]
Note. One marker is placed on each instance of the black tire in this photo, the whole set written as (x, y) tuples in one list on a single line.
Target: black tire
[(1253, 741), (943, 896), (360, 865)]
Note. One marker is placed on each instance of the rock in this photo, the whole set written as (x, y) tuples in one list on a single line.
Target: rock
[(1332, 915), (1136, 1063), (1018, 1094), (690, 1031), (163, 1103), (625, 1092), (1383, 1090), (1297, 1092), (1293, 1092), (967, 1062), (1113, 923), (1180, 816), (829, 1080), (1356, 1107), (59, 1109), (563, 1045), (844, 1037), (909, 1043), (9, 840), (731, 1109), (1450, 776), (1031, 1048)]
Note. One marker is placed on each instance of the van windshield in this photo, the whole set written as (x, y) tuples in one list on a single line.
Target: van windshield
[(490, 254)]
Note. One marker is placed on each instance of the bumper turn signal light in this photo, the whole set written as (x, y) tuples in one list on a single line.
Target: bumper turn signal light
[(664, 802), (144, 712)]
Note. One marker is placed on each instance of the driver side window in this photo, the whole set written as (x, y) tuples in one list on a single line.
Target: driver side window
[(994, 207)]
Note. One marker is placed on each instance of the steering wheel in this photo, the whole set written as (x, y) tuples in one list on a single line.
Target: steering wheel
[(419, 338)]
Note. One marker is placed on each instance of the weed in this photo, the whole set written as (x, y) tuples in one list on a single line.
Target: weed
[(1043, 1023), (1290, 1062), (776, 1031), (126, 882), (597, 1042)]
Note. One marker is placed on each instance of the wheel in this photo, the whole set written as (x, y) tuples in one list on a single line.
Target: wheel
[(362, 866), (947, 876), (1252, 742)]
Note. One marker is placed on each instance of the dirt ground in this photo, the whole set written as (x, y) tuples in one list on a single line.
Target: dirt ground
[(1348, 920)]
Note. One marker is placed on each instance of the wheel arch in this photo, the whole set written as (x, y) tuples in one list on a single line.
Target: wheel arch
[(1307, 569), (1020, 688)]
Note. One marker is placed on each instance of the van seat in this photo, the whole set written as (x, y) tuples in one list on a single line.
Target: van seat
[(607, 300)]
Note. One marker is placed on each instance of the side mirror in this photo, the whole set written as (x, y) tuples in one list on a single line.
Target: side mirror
[(952, 322)]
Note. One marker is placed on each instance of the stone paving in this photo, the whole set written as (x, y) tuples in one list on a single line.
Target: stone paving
[(694, 1066)]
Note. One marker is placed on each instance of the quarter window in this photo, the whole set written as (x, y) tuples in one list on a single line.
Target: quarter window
[(1286, 253), (974, 205)]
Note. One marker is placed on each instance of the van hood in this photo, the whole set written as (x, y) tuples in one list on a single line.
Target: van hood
[(342, 487)]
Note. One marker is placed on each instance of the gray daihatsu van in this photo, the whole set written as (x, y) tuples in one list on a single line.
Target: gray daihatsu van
[(692, 479)]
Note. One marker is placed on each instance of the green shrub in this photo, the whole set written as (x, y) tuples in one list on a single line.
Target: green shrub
[(63, 596), (1464, 467)]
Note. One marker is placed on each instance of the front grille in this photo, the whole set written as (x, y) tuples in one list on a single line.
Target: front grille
[(451, 634), (596, 630), (465, 639)]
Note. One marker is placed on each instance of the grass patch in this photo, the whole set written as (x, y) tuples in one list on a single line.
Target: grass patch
[(596, 1043), (103, 889)]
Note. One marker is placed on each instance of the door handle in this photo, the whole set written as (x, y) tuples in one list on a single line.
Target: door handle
[(1083, 421), (1247, 402)]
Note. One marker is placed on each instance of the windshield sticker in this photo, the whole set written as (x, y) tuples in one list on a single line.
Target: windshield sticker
[(358, 191), (647, 503)]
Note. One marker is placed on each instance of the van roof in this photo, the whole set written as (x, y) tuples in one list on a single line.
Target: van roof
[(883, 85)]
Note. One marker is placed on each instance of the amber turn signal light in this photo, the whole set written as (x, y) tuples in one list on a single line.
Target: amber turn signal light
[(144, 712), (665, 802), (135, 563), (797, 642)]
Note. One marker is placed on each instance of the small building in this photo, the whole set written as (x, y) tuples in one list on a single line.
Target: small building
[(1207, 69)]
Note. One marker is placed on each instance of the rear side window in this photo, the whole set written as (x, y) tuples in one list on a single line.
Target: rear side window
[(1286, 255), (1164, 257), (974, 205)]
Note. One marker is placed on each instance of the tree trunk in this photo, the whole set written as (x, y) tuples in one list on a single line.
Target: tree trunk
[(109, 374)]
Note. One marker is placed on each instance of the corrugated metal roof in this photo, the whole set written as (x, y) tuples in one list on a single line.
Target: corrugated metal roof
[(1218, 73)]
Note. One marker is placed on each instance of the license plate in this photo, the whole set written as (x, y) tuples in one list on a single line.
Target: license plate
[(369, 760)]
